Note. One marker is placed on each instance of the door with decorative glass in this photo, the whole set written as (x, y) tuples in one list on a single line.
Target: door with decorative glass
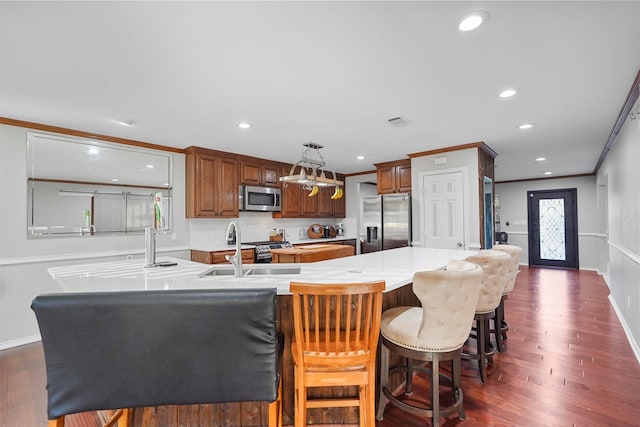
[(553, 228)]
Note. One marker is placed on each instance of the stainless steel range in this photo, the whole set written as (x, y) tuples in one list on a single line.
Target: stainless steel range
[(262, 251)]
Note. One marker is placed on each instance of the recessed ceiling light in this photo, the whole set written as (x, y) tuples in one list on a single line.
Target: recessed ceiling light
[(360, 157), (507, 93), (93, 150), (548, 173), (114, 180), (526, 126), (150, 166), (541, 159), (472, 20), (244, 125), (126, 122)]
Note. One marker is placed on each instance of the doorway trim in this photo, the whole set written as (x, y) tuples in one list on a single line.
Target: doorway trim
[(572, 259), (465, 201)]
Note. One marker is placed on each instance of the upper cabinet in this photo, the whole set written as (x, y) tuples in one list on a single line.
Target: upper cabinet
[(213, 178), (328, 207), (211, 184), (259, 172), (394, 177), (296, 202)]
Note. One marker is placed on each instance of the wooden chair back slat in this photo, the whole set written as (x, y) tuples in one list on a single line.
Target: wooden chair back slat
[(344, 337), (336, 318)]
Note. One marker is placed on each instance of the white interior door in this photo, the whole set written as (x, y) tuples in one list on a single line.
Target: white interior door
[(443, 210)]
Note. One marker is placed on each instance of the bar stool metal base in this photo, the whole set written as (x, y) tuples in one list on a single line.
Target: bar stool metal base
[(500, 326), (484, 349), (435, 412)]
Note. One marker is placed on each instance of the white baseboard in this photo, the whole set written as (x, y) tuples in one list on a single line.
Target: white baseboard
[(18, 342), (627, 331)]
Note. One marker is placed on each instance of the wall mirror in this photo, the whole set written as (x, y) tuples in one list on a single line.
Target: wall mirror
[(83, 187)]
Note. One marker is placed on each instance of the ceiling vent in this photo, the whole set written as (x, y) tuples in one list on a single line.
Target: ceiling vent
[(398, 121)]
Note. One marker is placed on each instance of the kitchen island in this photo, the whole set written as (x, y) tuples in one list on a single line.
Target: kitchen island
[(395, 266), (311, 253)]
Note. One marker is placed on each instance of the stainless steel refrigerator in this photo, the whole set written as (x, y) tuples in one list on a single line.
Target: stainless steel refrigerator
[(385, 222)]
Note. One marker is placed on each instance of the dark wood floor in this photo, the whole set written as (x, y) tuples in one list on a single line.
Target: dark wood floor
[(568, 363)]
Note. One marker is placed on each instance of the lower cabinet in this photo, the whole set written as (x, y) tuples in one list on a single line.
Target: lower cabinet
[(350, 242), (218, 257)]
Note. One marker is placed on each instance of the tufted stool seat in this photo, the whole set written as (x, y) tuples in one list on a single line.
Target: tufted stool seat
[(494, 267), (500, 324), (432, 333)]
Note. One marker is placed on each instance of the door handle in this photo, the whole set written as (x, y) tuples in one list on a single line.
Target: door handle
[(459, 245)]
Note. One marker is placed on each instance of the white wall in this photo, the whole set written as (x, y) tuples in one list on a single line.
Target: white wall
[(513, 209), (209, 234), (619, 180), (468, 159)]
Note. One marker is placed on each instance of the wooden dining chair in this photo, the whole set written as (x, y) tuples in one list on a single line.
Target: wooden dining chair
[(112, 350), (336, 330)]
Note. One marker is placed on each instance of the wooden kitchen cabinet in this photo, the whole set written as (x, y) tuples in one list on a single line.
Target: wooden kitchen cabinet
[(291, 200), (211, 184), (218, 257), (394, 177), (340, 205), (259, 172), (296, 202), (325, 204), (349, 242), (328, 207)]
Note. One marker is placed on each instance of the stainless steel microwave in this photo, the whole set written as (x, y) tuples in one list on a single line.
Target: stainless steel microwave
[(254, 198)]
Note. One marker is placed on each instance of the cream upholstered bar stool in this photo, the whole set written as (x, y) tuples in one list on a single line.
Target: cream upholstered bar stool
[(432, 333), (494, 267), (500, 324)]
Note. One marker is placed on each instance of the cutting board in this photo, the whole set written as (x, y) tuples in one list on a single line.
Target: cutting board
[(311, 253)]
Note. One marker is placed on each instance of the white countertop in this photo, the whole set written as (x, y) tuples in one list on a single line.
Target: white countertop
[(395, 266)]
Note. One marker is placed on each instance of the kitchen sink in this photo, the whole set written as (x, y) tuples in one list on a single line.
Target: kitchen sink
[(271, 270), (252, 270)]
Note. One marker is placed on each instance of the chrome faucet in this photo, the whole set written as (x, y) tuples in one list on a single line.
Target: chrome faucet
[(235, 259), (88, 230), (149, 247)]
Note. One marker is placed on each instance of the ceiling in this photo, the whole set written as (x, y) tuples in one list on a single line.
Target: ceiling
[(331, 73)]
